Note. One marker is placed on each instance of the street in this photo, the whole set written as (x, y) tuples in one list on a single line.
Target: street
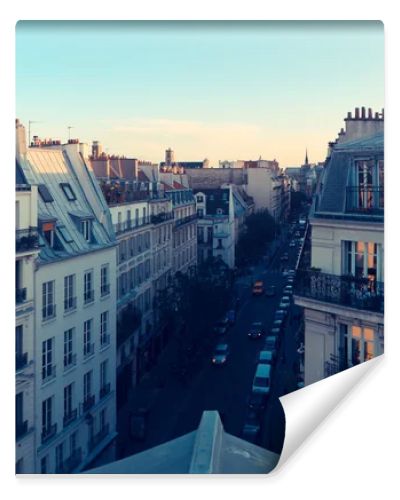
[(176, 405)]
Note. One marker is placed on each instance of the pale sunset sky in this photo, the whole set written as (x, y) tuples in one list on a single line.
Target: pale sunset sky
[(217, 90)]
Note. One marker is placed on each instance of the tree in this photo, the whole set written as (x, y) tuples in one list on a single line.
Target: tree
[(260, 230)]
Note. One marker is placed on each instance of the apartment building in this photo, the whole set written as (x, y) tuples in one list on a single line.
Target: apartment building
[(26, 252), (74, 308), (340, 280)]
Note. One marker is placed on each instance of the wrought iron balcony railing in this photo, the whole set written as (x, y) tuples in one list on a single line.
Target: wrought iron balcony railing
[(20, 295), (88, 349), (365, 200), (48, 373), (185, 220), (49, 432), (97, 438), (162, 217), (69, 304), (347, 290), (69, 360), (104, 340), (88, 403), (48, 312), (105, 289), (88, 296), (21, 360), (105, 390), (21, 428), (26, 239), (70, 417)]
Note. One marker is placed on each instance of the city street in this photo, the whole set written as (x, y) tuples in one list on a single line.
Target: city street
[(175, 406)]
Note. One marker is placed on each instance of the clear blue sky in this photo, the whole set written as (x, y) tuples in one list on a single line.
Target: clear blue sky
[(218, 90)]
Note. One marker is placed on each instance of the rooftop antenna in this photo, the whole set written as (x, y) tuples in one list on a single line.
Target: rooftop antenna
[(29, 130), (69, 131)]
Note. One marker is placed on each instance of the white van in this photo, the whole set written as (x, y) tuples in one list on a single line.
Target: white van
[(262, 379)]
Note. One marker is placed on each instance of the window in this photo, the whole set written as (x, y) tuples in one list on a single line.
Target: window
[(69, 293), (48, 367), (363, 260), (103, 375), (136, 216), (144, 215), (87, 385), (104, 280), (44, 464), (128, 219), (86, 229), (48, 306), (200, 213), (103, 421), (68, 391), (369, 177), (88, 347), (68, 191), (47, 416), (104, 337), (73, 439), (19, 413), (200, 234), (209, 234), (20, 360), (122, 250), (59, 457), (45, 193), (362, 344), (48, 233), (69, 357), (88, 292), (200, 198)]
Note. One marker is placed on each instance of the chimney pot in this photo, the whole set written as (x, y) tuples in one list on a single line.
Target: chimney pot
[(357, 114), (363, 113), (376, 115), (349, 115)]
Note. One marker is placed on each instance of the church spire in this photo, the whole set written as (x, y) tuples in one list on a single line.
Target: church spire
[(306, 163)]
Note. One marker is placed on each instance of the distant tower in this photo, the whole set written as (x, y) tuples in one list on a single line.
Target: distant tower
[(306, 162), (169, 157), (96, 149)]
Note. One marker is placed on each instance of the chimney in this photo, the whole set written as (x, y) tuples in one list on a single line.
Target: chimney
[(357, 114), (369, 114), (383, 114), (349, 115), (376, 115), (363, 113)]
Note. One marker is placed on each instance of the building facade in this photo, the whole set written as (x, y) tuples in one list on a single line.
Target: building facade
[(340, 281), (74, 326)]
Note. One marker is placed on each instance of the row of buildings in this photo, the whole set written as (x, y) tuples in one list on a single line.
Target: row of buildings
[(340, 279)]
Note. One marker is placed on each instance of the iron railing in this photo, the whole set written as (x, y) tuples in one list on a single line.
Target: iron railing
[(105, 390), (26, 239), (88, 349), (48, 312), (105, 289), (69, 304), (20, 295), (49, 432), (88, 403), (48, 373), (368, 199), (97, 438), (69, 360), (347, 290), (104, 340), (88, 296), (162, 217), (185, 220), (70, 417)]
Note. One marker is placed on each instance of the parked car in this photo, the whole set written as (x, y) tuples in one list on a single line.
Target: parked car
[(262, 379), (267, 357), (285, 257), (258, 287), (288, 290), (222, 326), (138, 424), (278, 323), (220, 355), (280, 314), (292, 244), (251, 428), (271, 343), (285, 273), (256, 330), (231, 316), (270, 290), (257, 401), (290, 280)]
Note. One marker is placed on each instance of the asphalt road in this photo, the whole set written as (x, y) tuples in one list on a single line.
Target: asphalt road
[(176, 407)]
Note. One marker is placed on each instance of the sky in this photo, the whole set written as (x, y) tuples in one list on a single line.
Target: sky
[(216, 90)]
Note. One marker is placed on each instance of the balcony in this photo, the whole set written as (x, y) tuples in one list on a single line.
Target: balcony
[(48, 373), (88, 350), (69, 361), (105, 289), (21, 428), (105, 390), (88, 403), (348, 291), (69, 304), (88, 296), (185, 220), (365, 200), (21, 360), (104, 340), (48, 312), (162, 217), (98, 438), (49, 432), (129, 225), (70, 463), (70, 417), (26, 239), (20, 295)]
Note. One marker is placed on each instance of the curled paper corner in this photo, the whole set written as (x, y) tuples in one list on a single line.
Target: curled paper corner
[(304, 410)]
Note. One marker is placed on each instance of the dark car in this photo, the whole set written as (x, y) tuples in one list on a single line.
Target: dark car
[(280, 314), (251, 429), (257, 401), (231, 316), (220, 355), (278, 323), (138, 424), (270, 290), (284, 257), (222, 326), (271, 344), (256, 330)]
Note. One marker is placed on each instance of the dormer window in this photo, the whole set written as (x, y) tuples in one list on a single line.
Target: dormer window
[(86, 229), (47, 227), (68, 191), (200, 198)]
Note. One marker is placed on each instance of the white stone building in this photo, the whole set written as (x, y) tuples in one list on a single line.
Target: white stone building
[(341, 286), (74, 332)]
